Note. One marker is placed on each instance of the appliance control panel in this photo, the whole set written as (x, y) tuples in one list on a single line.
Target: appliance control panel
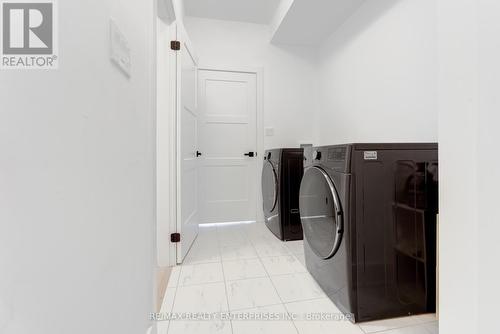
[(337, 154), (337, 158)]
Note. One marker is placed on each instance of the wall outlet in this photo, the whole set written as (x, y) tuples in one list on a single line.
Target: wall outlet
[(119, 49), (269, 132)]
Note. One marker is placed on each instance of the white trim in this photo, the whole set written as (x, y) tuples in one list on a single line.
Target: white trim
[(237, 69), (153, 66), (259, 73), (173, 177), (178, 151), (260, 140)]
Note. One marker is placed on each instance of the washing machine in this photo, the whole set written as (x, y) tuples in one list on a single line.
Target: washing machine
[(368, 214), (281, 176)]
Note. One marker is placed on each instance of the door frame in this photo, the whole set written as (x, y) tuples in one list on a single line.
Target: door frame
[(259, 76)]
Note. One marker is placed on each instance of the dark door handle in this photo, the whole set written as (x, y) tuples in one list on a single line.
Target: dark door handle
[(198, 153), (250, 154)]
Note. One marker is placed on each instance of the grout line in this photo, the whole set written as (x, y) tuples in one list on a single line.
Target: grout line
[(224, 277), (196, 263), (252, 308), (181, 269), (246, 278), (307, 300), (241, 258), (178, 276), (277, 293), (198, 284), (268, 277), (172, 308), (260, 258), (167, 311), (175, 293)]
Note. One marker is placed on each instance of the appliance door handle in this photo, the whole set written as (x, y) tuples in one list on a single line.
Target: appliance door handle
[(250, 154)]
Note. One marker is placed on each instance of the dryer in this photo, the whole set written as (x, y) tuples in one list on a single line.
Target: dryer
[(368, 213), (281, 176)]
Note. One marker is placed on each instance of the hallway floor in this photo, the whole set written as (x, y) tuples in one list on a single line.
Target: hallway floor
[(245, 270)]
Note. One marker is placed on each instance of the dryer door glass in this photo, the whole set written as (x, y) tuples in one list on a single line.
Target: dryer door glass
[(269, 187), (320, 212)]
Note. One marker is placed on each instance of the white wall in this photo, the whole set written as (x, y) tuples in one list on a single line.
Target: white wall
[(458, 139), (378, 75), (488, 165), (469, 77), (289, 73), (77, 181)]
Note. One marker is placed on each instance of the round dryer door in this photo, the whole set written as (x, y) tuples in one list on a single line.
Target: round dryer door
[(269, 187), (320, 212)]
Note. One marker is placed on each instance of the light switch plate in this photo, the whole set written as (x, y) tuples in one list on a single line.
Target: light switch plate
[(119, 49), (269, 132)]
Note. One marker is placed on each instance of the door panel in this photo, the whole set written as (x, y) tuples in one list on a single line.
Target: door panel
[(188, 123), (219, 146), (228, 129), (235, 183), (234, 102)]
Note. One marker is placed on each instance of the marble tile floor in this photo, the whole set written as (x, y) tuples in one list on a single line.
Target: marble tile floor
[(244, 271)]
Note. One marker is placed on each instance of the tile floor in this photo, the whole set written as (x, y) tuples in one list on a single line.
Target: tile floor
[(243, 269)]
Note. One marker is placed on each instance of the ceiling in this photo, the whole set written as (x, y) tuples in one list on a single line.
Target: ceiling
[(310, 24), (254, 11)]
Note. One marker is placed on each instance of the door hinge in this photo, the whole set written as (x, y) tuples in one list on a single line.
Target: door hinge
[(175, 237), (175, 45)]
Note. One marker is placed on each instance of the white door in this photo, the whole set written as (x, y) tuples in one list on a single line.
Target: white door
[(228, 138), (187, 127)]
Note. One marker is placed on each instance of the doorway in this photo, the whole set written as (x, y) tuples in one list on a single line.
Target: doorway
[(229, 110)]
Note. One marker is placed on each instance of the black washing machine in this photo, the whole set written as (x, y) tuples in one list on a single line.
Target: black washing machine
[(368, 212), (281, 176)]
